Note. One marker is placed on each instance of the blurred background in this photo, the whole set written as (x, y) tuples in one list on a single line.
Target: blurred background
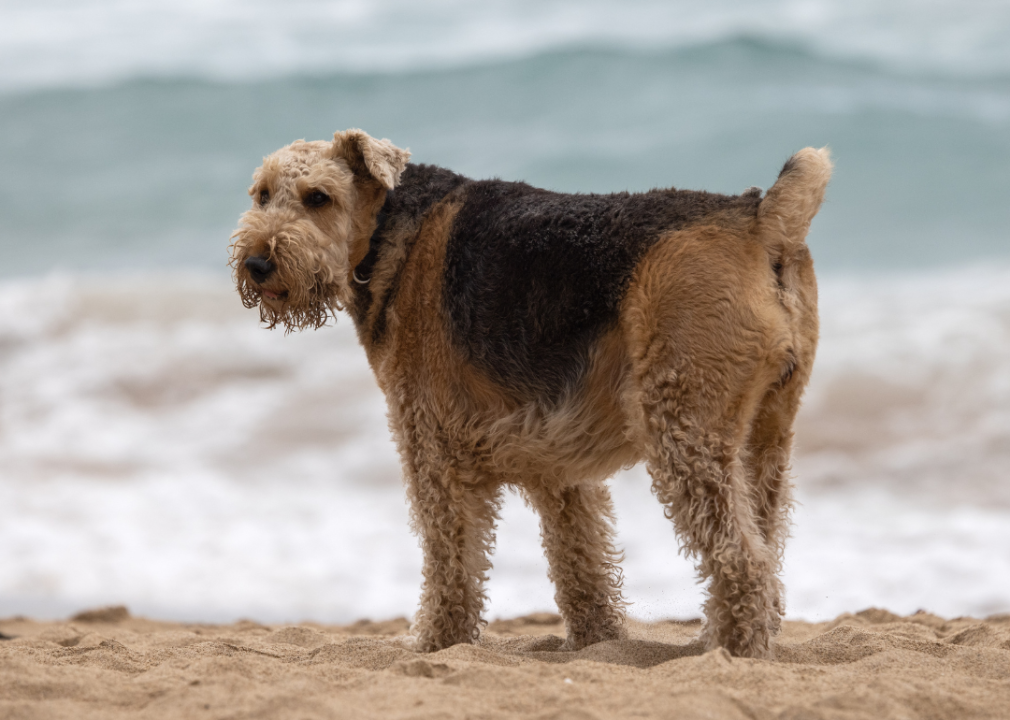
[(159, 449)]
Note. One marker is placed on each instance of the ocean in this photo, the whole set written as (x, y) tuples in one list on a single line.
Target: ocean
[(159, 449)]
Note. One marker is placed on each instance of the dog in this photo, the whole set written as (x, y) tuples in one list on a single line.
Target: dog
[(542, 341)]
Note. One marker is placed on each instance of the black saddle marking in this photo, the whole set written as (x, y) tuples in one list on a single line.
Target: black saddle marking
[(532, 277)]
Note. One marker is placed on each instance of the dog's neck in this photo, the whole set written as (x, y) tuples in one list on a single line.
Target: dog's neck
[(397, 224), (366, 293), (362, 273)]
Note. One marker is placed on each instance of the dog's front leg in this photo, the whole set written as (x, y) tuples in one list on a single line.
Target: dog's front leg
[(454, 514), (576, 524)]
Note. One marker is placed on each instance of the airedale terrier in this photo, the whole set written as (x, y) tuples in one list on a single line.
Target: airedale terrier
[(542, 341)]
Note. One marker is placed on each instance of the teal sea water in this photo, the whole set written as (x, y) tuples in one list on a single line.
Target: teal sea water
[(151, 173)]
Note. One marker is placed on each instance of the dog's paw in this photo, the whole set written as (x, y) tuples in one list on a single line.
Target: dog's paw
[(407, 642), (597, 635), (754, 642)]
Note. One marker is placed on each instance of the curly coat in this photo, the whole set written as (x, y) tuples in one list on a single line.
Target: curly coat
[(542, 341)]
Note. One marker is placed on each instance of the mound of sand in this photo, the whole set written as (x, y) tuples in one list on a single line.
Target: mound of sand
[(107, 664)]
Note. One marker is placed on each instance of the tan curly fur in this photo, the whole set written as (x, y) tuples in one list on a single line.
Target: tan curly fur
[(701, 377)]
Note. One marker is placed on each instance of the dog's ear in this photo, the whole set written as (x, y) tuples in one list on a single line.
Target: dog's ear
[(365, 155)]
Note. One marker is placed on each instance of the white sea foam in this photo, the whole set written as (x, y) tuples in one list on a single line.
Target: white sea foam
[(158, 448), (56, 42)]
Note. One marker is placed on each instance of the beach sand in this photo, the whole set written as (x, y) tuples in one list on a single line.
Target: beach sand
[(873, 664)]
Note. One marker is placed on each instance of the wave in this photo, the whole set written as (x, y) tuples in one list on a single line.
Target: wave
[(159, 448), (912, 383), (52, 44)]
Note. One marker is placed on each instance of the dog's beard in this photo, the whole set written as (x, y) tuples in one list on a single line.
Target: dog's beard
[(310, 275), (297, 310)]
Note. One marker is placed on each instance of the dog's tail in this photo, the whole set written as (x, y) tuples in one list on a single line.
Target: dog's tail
[(786, 211)]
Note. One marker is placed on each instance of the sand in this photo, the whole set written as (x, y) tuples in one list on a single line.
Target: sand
[(874, 664)]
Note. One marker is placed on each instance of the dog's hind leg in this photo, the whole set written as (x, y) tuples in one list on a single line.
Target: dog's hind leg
[(767, 468), (769, 447), (694, 459), (576, 525), (453, 511), (767, 461)]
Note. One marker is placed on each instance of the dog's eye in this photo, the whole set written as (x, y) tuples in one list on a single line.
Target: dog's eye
[(316, 199), (264, 197)]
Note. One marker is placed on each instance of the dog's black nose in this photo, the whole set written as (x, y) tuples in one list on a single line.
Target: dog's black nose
[(259, 267)]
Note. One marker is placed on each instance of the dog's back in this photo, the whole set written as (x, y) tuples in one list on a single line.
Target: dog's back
[(532, 277)]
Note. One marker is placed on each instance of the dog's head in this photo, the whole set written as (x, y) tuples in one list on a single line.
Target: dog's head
[(313, 210)]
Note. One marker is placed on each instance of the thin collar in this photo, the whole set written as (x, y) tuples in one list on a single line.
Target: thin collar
[(362, 273)]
